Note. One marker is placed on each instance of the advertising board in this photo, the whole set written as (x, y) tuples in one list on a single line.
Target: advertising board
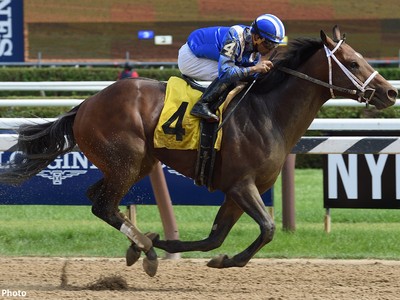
[(65, 181), (11, 31)]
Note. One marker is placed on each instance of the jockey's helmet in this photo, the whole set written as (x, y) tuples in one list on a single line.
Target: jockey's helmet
[(269, 27)]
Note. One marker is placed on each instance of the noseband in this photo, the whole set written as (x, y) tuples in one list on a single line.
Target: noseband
[(362, 91), (362, 87)]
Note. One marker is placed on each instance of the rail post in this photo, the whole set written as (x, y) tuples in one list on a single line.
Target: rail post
[(164, 205), (288, 194)]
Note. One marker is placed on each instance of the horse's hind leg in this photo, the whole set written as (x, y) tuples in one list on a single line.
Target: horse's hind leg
[(108, 211), (94, 193), (123, 167), (94, 190), (105, 206)]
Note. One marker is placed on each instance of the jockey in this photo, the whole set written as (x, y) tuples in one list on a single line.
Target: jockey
[(225, 55)]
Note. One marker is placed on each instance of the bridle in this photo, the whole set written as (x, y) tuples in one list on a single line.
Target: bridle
[(362, 87), (362, 90)]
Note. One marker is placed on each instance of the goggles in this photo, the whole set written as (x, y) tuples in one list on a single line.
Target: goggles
[(269, 45)]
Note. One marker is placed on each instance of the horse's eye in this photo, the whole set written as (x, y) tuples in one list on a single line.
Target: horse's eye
[(354, 65)]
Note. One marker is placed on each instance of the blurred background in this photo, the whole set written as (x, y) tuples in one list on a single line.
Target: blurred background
[(154, 30)]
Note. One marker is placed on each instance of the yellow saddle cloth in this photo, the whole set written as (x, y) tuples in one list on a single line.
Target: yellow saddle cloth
[(177, 128)]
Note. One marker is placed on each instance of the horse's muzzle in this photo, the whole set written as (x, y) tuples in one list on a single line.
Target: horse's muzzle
[(382, 98), (366, 95)]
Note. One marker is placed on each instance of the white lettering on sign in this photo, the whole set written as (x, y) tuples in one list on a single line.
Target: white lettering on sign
[(349, 175), (6, 45), (376, 169), (63, 167)]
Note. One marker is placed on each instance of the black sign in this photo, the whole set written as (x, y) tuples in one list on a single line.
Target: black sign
[(362, 181)]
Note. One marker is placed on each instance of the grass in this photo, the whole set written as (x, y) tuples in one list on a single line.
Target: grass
[(74, 231)]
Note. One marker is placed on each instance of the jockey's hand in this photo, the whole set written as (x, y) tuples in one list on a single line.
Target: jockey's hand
[(263, 66)]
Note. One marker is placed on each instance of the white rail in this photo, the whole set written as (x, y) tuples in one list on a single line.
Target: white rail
[(7, 141), (39, 102), (356, 124), (80, 85), (317, 124), (54, 85), (74, 102), (99, 85)]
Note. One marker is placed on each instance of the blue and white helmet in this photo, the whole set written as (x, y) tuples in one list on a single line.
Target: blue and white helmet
[(269, 27)]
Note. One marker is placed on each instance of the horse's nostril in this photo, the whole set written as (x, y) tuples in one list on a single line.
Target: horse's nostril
[(393, 94)]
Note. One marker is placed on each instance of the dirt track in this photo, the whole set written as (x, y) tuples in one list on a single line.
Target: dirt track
[(41, 278)]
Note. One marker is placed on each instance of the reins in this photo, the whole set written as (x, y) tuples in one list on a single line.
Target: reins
[(234, 108), (316, 81)]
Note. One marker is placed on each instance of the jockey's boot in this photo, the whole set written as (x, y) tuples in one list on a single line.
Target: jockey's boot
[(211, 95)]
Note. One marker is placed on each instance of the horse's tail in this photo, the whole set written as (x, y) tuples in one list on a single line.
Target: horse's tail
[(38, 145)]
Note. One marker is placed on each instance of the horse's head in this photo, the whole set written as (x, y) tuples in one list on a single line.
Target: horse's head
[(357, 75)]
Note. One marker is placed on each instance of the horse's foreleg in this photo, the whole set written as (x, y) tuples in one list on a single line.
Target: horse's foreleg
[(250, 201), (227, 216)]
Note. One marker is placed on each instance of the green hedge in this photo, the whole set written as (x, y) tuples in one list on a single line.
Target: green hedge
[(106, 74), (72, 74), (77, 74)]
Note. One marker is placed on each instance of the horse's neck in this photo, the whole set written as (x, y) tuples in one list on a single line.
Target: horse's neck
[(299, 105)]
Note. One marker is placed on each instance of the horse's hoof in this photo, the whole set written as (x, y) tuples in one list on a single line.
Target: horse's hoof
[(150, 262), (150, 266), (132, 255), (217, 262)]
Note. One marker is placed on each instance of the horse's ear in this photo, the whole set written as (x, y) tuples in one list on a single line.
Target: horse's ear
[(326, 39), (336, 33), (323, 36)]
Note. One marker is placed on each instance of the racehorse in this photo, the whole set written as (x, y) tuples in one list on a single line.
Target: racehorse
[(115, 130)]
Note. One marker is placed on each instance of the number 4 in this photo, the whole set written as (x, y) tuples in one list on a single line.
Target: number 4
[(229, 49), (178, 130)]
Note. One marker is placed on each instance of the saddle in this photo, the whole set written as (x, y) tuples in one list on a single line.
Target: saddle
[(177, 129), (208, 135)]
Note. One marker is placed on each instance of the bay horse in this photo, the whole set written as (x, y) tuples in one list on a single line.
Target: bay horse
[(115, 129)]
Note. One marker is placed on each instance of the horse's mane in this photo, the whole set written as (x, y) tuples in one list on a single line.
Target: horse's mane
[(298, 52)]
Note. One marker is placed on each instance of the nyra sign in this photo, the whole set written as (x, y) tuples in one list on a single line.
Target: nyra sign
[(362, 181)]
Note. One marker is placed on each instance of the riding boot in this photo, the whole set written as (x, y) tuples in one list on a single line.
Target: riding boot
[(211, 95)]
